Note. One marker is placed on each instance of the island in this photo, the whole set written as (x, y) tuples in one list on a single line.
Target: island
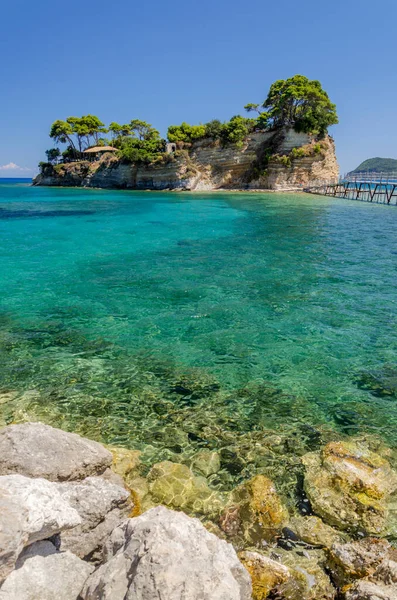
[(286, 146)]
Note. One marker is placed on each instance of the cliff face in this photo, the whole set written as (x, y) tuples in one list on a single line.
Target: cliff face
[(285, 160)]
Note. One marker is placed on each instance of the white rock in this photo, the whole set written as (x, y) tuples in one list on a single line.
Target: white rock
[(30, 510), (168, 555), (102, 506), (38, 450), (42, 573)]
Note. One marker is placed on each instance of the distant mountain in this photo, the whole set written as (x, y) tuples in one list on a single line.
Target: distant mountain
[(384, 165)]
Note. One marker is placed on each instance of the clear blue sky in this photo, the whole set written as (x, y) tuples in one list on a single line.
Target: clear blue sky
[(166, 62)]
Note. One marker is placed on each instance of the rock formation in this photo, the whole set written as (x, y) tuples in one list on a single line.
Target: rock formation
[(285, 160), (71, 528)]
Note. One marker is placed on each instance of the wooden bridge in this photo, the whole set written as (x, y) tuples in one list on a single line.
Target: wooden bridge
[(367, 187)]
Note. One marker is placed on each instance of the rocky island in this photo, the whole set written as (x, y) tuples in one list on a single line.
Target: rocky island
[(286, 147)]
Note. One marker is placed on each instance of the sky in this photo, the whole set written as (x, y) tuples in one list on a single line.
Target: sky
[(168, 62)]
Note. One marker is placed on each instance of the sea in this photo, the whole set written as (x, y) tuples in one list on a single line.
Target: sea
[(176, 322)]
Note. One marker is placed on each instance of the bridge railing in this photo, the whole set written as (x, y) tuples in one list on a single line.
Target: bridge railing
[(370, 177)]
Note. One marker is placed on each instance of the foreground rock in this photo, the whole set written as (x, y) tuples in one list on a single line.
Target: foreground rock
[(42, 573), (38, 450), (31, 510), (255, 512), (102, 506), (165, 554), (349, 486)]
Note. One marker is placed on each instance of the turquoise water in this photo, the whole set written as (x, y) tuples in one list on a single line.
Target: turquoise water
[(172, 322)]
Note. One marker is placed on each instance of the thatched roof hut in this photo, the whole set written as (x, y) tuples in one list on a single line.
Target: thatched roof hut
[(98, 149)]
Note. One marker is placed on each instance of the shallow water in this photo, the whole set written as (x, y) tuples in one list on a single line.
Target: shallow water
[(172, 322)]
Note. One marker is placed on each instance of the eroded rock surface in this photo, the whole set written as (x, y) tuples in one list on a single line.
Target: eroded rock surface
[(357, 560), (165, 554), (42, 573), (102, 506), (255, 512), (32, 510), (38, 450), (349, 486)]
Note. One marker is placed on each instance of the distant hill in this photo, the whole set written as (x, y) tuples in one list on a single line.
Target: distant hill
[(385, 165)]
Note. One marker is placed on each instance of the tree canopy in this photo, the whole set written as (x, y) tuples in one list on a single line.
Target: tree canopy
[(297, 102)]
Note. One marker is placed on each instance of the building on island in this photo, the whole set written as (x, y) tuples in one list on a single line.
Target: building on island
[(96, 152)]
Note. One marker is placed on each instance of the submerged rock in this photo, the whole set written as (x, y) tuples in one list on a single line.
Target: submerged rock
[(255, 512), (368, 590), (313, 531), (126, 463), (168, 555), (102, 506), (357, 560), (266, 574), (206, 462), (381, 383), (175, 485), (349, 486), (38, 450), (287, 575), (42, 573)]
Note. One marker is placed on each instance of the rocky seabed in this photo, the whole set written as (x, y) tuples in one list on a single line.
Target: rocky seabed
[(79, 521)]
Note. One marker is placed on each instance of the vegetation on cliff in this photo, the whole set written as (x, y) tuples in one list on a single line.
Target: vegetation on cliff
[(383, 165), (296, 103)]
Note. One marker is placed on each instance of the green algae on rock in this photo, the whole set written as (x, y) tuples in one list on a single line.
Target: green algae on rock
[(266, 574), (349, 486), (175, 485), (254, 512), (314, 531), (356, 560), (286, 575)]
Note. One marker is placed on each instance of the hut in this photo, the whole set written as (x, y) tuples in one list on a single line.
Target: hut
[(96, 152)]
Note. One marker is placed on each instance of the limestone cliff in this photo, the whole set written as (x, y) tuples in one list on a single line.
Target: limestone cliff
[(283, 160)]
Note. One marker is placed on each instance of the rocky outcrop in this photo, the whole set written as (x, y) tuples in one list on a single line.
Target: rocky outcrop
[(295, 160), (37, 450), (169, 555)]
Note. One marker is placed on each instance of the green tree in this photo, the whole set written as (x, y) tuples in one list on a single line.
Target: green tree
[(185, 132), (143, 130), (87, 130), (62, 132), (52, 155), (251, 107), (213, 129), (236, 130), (300, 103)]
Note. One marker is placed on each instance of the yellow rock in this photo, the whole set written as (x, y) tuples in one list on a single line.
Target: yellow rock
[(349, 486), (255, 511), (175, 485), (266, 574)]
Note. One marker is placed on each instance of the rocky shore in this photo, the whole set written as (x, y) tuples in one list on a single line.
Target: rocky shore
[(79, 521)]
